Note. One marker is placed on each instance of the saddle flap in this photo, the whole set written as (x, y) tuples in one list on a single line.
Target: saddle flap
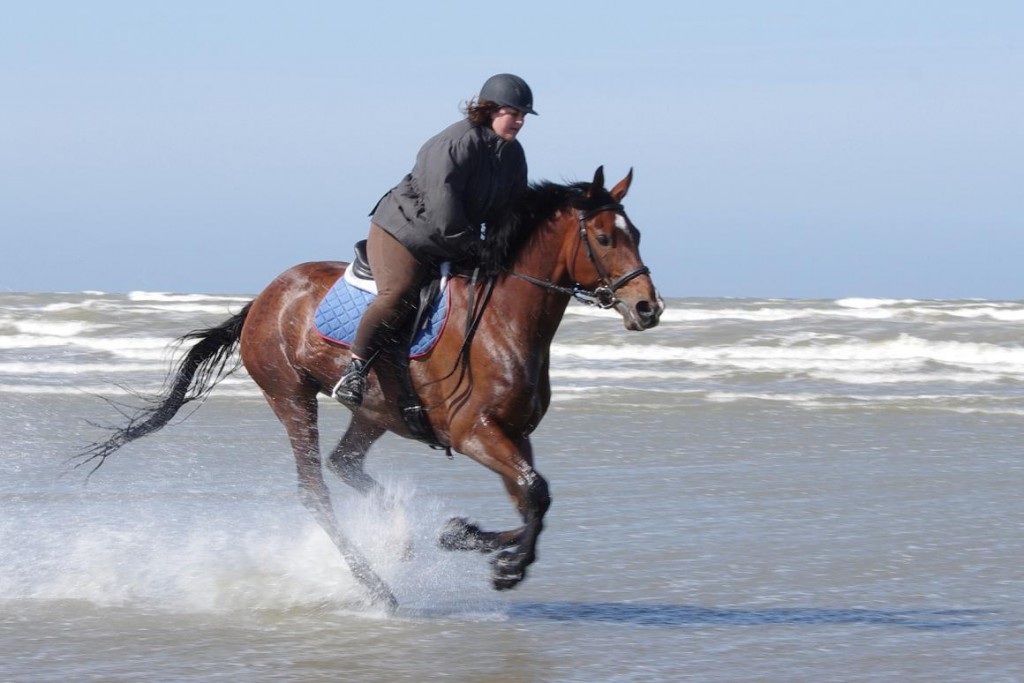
[(337, 316)]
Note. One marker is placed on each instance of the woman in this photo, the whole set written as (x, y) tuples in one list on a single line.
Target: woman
[(465, 177)]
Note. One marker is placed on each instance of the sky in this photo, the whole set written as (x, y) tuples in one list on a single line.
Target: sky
[(789, 149)]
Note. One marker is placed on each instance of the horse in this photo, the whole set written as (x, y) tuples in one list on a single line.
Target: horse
[(482, 389)]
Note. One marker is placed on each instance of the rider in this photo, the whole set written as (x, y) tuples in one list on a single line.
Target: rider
[(465, 177)]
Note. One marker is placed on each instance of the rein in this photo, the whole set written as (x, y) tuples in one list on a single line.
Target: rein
[(602, 296)]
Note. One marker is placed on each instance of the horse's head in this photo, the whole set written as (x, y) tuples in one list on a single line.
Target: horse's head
[(607, 259)]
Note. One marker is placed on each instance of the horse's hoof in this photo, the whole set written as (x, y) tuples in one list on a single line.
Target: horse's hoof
[(504, 583), (390, 604), (459, 534), (382, 595), (507, 571)]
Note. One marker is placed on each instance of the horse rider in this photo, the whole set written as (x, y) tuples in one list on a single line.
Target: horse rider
[(465, 177)]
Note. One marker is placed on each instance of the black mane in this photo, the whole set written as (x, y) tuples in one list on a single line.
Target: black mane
[(538, 203)]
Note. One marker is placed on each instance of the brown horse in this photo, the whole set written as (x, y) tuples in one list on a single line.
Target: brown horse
[(483, 388)]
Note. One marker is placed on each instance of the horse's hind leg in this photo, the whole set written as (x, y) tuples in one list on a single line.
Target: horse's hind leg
[(349, 455), (347, 461), (299, 416)]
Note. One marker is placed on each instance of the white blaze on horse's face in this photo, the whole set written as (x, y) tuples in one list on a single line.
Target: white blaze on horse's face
[(621, 223)]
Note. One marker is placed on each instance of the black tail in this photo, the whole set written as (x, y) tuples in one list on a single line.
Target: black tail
[(195, 376)]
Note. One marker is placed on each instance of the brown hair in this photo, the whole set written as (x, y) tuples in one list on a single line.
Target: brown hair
[(479, 113)]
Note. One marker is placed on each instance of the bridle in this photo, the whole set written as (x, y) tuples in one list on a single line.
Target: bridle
[(603, 296)]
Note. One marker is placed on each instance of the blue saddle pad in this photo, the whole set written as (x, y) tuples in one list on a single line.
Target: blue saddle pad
[(338, 315)]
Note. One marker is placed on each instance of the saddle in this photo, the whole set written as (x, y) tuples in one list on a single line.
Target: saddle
[(360, 267)]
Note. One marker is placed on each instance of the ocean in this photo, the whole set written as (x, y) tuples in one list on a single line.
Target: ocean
[(755, 490)]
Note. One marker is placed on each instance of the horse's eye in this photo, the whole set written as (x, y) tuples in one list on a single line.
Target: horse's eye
[(603, 239)]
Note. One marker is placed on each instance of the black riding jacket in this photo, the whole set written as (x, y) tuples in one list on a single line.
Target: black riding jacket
[(464, 176)]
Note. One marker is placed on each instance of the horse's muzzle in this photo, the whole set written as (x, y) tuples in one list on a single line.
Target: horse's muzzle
[(642, 314)]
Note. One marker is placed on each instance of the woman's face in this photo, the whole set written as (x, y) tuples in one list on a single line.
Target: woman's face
[(507, 121)]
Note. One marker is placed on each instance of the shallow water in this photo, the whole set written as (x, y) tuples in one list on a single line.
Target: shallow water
[(750, 492)]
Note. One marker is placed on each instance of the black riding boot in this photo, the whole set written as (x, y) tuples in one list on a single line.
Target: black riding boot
[(349, 389)]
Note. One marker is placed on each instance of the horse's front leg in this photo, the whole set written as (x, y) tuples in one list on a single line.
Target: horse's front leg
[(529, 490), (461, 534)]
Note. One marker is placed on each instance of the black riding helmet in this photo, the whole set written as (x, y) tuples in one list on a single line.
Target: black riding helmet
[(508, 90)]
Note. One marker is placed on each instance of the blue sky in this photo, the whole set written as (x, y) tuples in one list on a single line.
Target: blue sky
[(781, 149)]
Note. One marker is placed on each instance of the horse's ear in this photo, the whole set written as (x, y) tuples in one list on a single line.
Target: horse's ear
[(620, 190), (598, 183)]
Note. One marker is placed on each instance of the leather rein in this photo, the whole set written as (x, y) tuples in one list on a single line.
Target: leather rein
[(602, 296)]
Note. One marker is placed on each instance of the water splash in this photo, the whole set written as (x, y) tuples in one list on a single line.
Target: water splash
[(190, 556)]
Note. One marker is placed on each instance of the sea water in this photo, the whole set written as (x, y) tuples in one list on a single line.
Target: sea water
[(770, 490)]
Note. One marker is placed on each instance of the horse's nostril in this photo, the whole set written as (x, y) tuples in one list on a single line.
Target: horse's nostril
[(647, 313)]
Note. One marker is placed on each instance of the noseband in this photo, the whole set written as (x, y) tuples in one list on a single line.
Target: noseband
[(602, 296)]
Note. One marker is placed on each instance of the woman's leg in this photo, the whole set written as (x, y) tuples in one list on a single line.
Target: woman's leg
[(399, 276)]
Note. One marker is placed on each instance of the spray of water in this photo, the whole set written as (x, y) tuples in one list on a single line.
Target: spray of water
[(162, 553)]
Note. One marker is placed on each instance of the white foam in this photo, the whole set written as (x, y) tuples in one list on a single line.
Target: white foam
[(901, 351), (62, 306), (993, 312), (233, 387), (169, 297), (765, 311), (582, 311), (54, 328), (233, 556), (28, 368), (860, 302), (904, 359), (139, 348), (220, 310), (626, 375)]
